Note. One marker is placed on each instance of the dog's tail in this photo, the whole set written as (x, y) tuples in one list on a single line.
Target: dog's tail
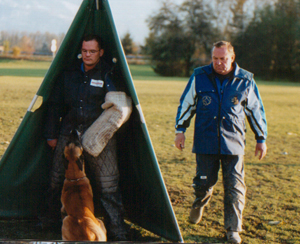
[(97, 228)]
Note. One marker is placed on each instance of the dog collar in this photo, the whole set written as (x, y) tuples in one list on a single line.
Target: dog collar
[(75, 180)]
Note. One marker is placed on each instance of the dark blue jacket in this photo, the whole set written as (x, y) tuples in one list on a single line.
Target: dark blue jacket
[(76, 99), (221, 110)]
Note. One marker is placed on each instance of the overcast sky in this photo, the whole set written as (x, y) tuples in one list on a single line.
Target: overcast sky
[(55, 16)]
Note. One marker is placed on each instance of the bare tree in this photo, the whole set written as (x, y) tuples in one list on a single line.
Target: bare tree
[(26, 45)]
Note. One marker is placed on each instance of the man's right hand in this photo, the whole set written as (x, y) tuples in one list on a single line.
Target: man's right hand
[(52, 143), (179, 141), (261, 150)]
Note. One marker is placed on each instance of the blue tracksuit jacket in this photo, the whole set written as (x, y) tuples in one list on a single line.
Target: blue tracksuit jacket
[(221, 111)]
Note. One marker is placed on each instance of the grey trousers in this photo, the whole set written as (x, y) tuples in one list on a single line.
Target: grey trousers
[(103, 174), (233, 181)]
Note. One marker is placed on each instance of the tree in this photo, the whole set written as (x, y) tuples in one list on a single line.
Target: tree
[(170, 54), (6, 45), (165, 34), (127, 43), (176, 32), (269, 46), (199, 20), (16, 51), (27, 45)]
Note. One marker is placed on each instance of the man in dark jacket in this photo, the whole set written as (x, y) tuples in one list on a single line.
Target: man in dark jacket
[(75, 104), (221, 95)]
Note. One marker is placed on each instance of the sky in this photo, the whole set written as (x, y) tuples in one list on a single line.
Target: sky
[(56, 16)]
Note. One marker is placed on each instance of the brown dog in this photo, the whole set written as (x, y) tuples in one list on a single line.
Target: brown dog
[(80, 223)]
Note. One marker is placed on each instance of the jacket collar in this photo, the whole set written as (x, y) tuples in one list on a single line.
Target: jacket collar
[(97, 67), (238, 72), (241, 73)]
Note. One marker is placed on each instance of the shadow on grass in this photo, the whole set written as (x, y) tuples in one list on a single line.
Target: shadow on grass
[(204, 239), (30, 230), (25, 230)]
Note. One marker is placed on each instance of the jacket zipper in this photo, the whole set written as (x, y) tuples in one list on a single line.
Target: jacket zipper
[(219, 118)]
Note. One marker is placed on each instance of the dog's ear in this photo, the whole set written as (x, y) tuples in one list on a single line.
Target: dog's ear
[(79, 163), (75, 135), (78, 135)]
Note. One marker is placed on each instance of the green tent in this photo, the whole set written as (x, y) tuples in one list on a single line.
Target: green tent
[(24, 167)]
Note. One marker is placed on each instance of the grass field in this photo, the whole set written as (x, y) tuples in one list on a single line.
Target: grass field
[(272, 208)]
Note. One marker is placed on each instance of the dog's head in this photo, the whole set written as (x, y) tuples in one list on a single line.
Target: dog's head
[(73, 151)]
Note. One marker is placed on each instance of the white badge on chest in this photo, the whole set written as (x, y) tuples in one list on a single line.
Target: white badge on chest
[(97, 83)]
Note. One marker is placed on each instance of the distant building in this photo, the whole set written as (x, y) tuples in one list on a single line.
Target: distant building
[(1, 49)]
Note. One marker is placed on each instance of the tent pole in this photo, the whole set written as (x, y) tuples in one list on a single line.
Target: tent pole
[(97, 4)]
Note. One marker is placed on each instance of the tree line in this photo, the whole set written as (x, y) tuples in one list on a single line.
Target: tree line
[(265, 34), (28, 43)]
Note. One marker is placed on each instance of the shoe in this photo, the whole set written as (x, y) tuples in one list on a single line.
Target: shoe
[(233, 237), (196, 215)]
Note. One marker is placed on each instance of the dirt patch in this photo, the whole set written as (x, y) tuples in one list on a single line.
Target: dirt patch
[(177, 196)]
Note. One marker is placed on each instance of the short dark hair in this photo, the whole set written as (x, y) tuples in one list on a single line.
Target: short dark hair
[(91, 37), (226, 44)]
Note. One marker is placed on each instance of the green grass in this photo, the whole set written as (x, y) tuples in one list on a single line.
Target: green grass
[(27, 68), (23, 68), (145, 72), (272, 184)]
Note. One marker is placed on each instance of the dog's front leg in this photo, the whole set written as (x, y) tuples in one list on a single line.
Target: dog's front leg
[(63, 212)]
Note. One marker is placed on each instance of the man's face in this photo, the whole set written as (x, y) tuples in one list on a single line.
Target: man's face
[(91, 54), (222, 60)]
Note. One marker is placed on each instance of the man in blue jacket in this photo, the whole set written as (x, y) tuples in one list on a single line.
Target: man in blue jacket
[(221, 95)]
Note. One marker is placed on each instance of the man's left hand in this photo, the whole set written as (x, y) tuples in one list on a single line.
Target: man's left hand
[(262, 149)]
